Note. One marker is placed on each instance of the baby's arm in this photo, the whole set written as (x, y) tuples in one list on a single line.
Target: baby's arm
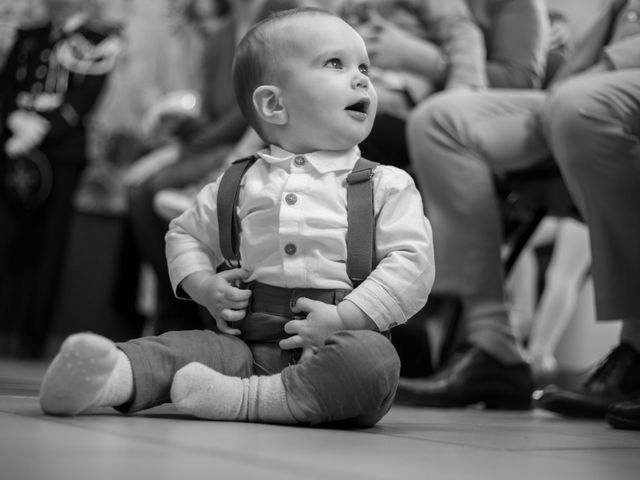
[(220, 295), (399, 285), (193, 253), (322, 319)]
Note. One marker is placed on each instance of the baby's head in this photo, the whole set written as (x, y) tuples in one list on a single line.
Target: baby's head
[(301, 80)]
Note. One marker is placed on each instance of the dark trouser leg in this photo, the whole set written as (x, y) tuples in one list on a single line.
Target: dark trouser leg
[(148, 232), (37, 257), (593, 126), (155, 360), (351, 381)]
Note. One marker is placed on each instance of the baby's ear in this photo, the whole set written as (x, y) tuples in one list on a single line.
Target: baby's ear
[(267, 100)]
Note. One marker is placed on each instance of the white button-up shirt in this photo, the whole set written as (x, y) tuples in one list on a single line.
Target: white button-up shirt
[(293, 213)]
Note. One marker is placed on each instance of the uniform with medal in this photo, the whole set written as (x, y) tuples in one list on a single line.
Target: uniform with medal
[(49, 84)]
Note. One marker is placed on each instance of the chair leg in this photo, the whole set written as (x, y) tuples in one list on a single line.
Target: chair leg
[(522, 236)]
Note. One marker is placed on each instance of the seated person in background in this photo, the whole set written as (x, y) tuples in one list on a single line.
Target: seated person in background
[(597, 147), (202, 143), (425, 46), (50, 84), (171, 202), (460, 140), (302, 340)]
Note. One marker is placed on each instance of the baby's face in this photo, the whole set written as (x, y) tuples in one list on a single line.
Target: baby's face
[(325, 86)]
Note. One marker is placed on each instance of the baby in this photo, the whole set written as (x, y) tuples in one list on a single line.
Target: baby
[(298, 340)]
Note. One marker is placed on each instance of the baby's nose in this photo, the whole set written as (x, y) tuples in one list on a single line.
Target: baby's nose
[(361, 81)]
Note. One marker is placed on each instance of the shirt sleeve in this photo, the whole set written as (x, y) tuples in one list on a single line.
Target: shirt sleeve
[(192, 241), (624, 53), (517, 41), (460, 40), (7, 73), (399, 285)]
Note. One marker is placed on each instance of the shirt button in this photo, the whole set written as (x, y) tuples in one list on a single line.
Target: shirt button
[(632, 16), (291, 198), (299, 161), (290, 249), (41, 72)]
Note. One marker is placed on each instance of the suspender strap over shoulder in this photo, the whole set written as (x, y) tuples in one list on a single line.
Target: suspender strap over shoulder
[(227, 200), (361, 223), (360, 216)]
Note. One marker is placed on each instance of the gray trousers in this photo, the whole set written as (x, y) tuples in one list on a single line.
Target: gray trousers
[(590, 124)]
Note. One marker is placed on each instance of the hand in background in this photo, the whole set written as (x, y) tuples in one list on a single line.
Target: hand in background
[(29, 129), (390, 47)]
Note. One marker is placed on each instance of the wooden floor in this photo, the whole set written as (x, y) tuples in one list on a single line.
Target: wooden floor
[(409, 443)]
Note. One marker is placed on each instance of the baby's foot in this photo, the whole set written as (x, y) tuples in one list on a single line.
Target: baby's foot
[(201, 391), (88, 372)]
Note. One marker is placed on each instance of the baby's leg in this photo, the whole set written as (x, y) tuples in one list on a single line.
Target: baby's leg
[(88, 372), (89, 369), (205, 393), (352, 378), (350, 382)]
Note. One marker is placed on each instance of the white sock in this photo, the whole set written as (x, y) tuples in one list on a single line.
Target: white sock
[(88, 372), (200, 391)]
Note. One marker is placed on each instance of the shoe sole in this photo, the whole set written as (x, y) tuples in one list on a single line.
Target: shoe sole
[(561, 408), (622, 423), (489, 404)]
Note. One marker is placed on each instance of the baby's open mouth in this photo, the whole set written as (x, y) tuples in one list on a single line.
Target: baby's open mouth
[(361, 106)]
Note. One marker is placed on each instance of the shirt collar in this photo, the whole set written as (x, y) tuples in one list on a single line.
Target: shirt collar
[(322, 160)]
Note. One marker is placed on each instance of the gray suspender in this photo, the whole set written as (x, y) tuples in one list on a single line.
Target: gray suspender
[(227, 202), (360, 221), (360, 217)]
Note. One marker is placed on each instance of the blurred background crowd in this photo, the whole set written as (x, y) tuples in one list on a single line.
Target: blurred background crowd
[(168, 98)]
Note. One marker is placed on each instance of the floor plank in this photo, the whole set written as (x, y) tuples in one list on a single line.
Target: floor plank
[(409, 443)]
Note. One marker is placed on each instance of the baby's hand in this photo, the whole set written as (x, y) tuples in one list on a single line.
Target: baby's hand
[(309, 334), (220, 295)]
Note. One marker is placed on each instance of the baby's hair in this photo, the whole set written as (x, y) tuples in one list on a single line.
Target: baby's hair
[(256, 57)]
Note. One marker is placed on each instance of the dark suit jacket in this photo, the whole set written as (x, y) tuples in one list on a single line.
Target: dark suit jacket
[(60, 77)]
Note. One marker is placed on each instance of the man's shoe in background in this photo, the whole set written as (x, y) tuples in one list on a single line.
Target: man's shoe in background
[(471, 377), (616, 379), (625, 415)]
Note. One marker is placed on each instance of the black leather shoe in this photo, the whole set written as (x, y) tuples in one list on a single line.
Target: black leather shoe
[(471, 377), (625, 415), (616, 379)]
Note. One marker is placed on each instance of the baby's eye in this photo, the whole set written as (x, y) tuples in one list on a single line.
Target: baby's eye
[(364, 69), (334, 63)]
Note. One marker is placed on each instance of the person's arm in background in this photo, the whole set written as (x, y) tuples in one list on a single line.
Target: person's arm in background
[(7, 75), (624, 53), (226, 129), (460, 40), (517, 39)]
